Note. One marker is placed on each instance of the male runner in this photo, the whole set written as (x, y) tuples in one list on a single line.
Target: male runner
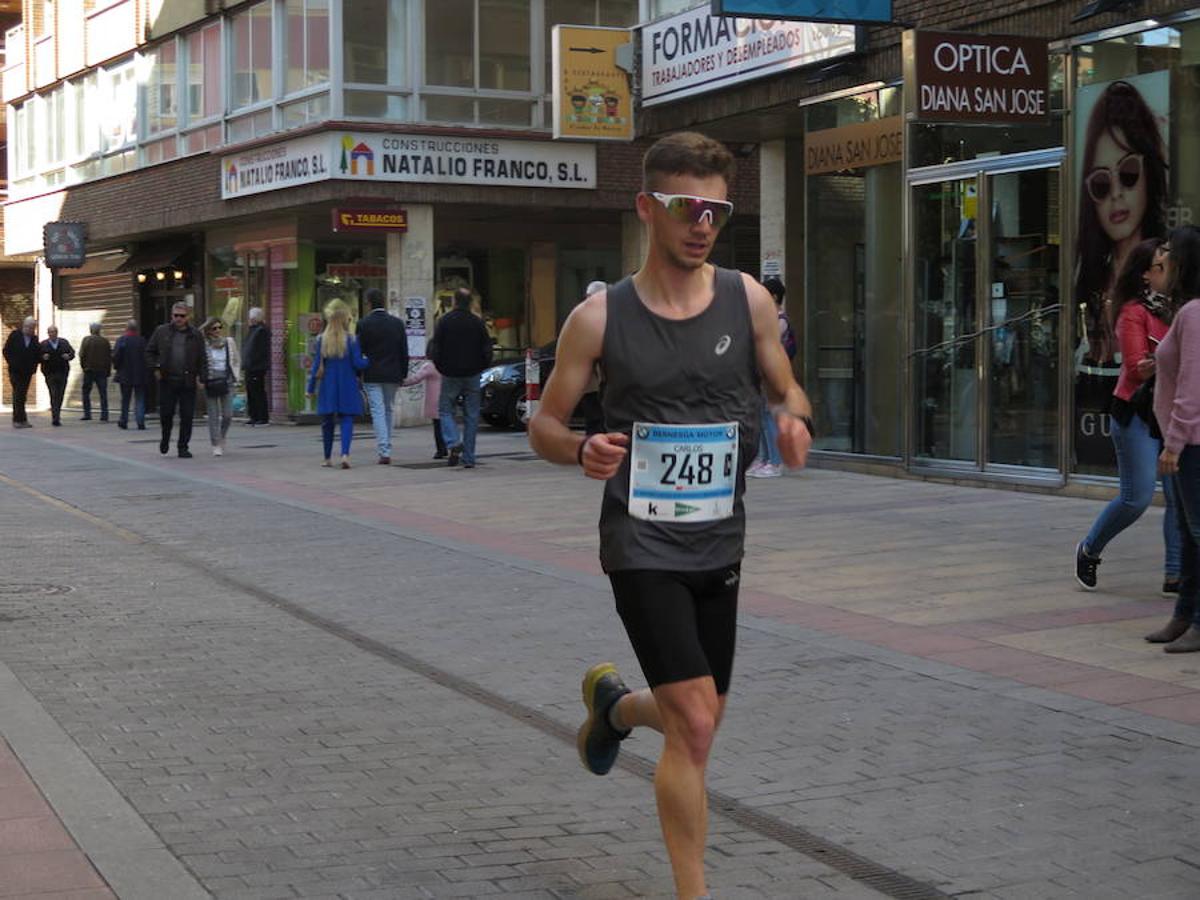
[(681, 345)]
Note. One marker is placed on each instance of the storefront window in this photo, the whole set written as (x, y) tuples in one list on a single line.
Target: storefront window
[(251, 54), (1137, 98), (853, 364), (375, 43), (306, 45)]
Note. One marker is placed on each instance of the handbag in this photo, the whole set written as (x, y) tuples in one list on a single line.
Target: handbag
[(216, 387), (1142, 401)]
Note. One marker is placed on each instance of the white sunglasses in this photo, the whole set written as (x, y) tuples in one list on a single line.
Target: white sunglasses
[(693, 210)]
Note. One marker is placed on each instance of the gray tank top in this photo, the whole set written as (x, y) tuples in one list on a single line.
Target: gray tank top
[(701, 370)]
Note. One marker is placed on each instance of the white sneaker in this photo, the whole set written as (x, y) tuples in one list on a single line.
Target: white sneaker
[(217, 451), (754, 468), (766, 470)]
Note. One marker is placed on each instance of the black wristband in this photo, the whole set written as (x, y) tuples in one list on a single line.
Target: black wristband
[(579, 452)]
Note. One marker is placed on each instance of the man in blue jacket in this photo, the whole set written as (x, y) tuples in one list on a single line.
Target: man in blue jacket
[(462, 349), (129, 359), (384, 342)]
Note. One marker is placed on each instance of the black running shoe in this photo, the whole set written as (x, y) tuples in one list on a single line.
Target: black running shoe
[(455, 455), (1170, 587), (598, 742), (1085, 568)]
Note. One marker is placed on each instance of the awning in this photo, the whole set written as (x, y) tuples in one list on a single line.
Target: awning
[(157, 255), (99, 265)]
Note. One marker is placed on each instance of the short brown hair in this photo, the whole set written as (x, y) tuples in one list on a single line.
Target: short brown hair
[(686, 153)]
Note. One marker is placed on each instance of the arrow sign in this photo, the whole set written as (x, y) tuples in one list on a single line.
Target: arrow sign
[(585, 49)]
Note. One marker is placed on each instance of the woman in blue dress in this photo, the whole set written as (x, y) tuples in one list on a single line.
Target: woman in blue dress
[(334, 379)]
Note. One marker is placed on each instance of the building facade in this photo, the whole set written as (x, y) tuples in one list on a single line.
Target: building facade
[(933, 204), (284, 153)]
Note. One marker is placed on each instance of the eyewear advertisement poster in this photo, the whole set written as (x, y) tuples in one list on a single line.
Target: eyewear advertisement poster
[(592, 97), (1121, 178)]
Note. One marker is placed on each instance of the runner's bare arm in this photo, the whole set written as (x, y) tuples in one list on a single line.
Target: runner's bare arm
[(787, 398), (579, 347)]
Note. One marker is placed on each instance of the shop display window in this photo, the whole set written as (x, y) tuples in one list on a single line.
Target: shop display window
[(1137, 95)]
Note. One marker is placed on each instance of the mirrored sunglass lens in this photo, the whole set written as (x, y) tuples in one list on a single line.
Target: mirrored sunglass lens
[(720, 214), (1099, 185), (682, 208), (1130, 172)]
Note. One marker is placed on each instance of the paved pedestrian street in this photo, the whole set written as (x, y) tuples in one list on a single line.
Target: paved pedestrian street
[(255, 677)]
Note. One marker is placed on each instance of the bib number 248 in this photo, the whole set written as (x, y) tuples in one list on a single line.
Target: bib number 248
[(681, 469)]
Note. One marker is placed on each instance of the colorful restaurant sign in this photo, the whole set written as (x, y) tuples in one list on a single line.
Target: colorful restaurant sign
[(592, 97)]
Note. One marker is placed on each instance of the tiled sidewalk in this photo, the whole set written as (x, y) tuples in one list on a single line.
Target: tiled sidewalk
[(38, 858)]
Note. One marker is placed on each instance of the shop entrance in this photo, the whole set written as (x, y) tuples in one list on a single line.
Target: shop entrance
[(987, 316)]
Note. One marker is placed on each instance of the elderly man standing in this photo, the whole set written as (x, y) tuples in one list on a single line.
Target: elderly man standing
[(57, 354), (175, 353), (22, 353), (256, 362), (95, 356)]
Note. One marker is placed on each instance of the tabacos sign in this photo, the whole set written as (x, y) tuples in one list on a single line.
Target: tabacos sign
[(953, 77)]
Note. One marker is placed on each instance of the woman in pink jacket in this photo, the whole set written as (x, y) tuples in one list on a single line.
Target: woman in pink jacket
[(433, 387), (1141, 313), (1177, 409)]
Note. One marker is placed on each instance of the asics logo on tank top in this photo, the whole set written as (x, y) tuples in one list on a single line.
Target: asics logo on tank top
[(723, 345)]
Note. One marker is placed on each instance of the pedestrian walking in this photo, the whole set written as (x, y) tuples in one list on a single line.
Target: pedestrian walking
[(428, 373), (334, 380), (384, 342), (1177, 411), (1141, 315), (768, 463), (462, 349), (56, 354), (22, 353), (176, 355), (95, 358), (224, 372), (681, 344), (256, 363), (129, 360)]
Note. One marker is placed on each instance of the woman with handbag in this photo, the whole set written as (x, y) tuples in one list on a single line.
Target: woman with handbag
[(224, 371), (1177, 409), (1141, 312), (334, 379)]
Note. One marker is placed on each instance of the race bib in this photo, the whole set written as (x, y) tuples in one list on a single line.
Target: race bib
[(683, 473)]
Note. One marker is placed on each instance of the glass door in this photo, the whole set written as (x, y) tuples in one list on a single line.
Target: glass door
[(1023, 314), (945, 380)]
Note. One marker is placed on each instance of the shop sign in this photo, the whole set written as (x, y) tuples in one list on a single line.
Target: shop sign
[(355, 270), (64, 244), (288, 164), (465, 160), (592, 97), (227, 283), (370, 219), (855, 146), (876, 12), (976, 78), (695, 52)]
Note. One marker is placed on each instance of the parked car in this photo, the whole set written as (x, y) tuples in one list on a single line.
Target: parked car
[(503, 389)]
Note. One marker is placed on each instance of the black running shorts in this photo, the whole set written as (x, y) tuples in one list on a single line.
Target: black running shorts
[(682, 624)]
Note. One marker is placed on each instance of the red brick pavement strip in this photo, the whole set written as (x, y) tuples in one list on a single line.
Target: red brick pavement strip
[(38, 858), (960, 644)]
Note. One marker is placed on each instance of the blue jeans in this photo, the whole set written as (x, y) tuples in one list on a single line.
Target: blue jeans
[(101, 382), (768, 438), (452, 387), (327, 421), (1137, 465), (381, 396), (137, 393), (1187, 494)]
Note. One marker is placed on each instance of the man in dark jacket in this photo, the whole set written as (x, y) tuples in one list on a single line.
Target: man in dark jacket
[(176, 355), (22, 353), (384, 342), (256, 362), (95, 358), (129, 357), (57, 354), (462, 349)]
